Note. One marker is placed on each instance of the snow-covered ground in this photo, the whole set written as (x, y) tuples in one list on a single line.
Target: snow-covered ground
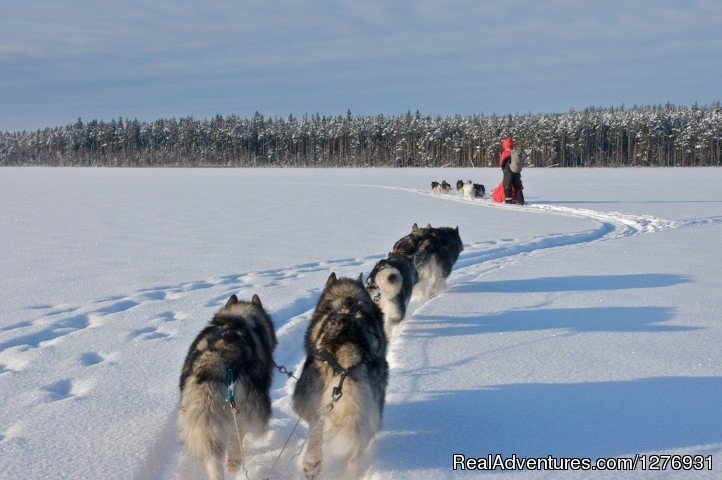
[(586, 324)]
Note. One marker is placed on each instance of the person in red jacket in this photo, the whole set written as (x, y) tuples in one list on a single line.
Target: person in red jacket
[(511, 163)]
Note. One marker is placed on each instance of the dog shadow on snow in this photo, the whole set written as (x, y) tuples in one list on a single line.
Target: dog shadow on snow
[(574, 320), (590, 419), (572, 283)]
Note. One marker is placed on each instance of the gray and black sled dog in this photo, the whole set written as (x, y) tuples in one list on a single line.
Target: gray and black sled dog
[(228, 371), (390, 285), (470, 190), (342, 388), (434, 252)]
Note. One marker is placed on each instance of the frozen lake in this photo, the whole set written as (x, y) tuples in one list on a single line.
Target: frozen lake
[(585, 324)]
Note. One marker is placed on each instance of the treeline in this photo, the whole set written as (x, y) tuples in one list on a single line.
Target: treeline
[(665, 135)]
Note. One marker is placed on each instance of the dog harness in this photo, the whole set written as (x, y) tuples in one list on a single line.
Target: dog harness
[(406, 245), (373, 285), (376, 291), (337, 391)]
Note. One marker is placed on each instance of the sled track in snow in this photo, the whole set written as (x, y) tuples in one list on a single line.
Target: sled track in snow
[(165, 458), (477, 259)]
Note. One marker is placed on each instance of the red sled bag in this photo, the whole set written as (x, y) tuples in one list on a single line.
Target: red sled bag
[(498, 194)]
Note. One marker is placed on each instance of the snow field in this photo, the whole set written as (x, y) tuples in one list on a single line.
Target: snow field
[(580, 324)]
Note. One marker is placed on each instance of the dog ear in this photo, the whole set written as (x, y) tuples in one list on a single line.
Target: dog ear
[(429, 226), (360, 279), (331, 280), (233, 300), (256, 301), (414, 228), (457, 229)]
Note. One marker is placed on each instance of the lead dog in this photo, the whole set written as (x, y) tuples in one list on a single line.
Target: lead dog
[(390, 284), (230, 359), (342, 388)]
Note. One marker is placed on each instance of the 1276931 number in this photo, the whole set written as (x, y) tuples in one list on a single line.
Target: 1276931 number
[(675, 462)]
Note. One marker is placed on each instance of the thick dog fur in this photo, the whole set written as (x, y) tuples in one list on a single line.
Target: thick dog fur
[(348, 325), (436, 188), (240, 338), (470, 190), (390, 285), (479, 190), (445, 187), (434, 252), (460, 187)]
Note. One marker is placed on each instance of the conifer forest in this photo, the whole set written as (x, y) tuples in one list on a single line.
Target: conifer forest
[(655, 136)]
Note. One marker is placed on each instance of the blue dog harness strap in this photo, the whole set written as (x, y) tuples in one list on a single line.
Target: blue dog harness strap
[(230, 394)]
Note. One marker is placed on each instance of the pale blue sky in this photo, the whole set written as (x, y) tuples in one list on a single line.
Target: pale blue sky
[(169, 58)]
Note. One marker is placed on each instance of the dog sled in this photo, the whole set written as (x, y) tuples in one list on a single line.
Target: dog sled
[(497, 195)]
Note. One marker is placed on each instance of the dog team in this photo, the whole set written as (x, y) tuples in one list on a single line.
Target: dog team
[(226, 378), (509, 190), (465, 189)]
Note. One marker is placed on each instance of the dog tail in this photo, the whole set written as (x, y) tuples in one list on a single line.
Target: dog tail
[(201, 418), (424, 252), (389, 281)]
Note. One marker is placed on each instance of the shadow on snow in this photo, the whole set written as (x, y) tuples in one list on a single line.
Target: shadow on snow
[(575, 320), (574, 283), (591, 419)]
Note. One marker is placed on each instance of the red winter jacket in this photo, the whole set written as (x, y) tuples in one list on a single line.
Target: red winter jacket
[(506, 147)]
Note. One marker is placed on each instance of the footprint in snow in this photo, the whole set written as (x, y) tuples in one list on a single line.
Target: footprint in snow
[(149, 333), (15, 326), (40, 307), (63, 389), (52, 332), (169, 316), (90, 358), (154, 295), (60, 311), (189, 287), (117, 307)]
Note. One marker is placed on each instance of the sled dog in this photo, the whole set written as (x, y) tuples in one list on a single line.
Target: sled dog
[(479, 190), (445, 187), (227, 371), (408, 244), (390, 284), (436, 188), (342, 388), (468, 190), (435, 250), (460, 187)]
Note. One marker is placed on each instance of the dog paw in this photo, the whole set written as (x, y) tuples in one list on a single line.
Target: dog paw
[(233, 464), (311, 469)]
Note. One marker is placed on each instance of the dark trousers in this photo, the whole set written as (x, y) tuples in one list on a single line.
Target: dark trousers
[(511, 178)]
